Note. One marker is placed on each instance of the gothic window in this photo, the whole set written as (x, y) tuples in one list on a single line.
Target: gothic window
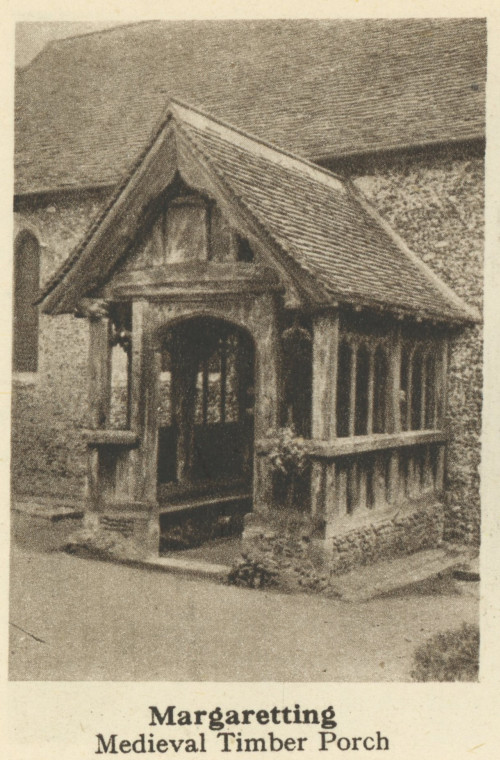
[(362, 390), (26, 290)]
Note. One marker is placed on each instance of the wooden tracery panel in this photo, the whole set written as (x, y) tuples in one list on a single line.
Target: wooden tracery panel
[(363, 395), (419, 386)]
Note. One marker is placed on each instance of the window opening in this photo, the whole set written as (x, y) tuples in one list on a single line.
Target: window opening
[(362, 390), (344, 389), (380, 391)]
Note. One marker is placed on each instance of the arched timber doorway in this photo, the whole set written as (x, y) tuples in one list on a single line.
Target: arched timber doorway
[(205, 410)]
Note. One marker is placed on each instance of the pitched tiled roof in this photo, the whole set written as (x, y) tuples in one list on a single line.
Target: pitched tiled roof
[(314, 218), (86, 105)]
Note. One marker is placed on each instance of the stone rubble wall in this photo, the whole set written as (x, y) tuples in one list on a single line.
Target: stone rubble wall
[(406, 533)]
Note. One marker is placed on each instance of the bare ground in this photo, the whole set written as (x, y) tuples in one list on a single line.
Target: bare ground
[(77, 619)]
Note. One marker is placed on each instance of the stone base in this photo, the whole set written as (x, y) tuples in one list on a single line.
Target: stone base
[(377, 538), (405, 532), (142, 529)]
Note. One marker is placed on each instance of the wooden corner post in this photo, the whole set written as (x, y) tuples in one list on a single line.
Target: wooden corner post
[(144, 377), (267, 395), (324, 410)]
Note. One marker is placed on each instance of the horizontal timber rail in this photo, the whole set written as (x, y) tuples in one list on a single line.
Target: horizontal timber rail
[(356, 479), (363, 443), (377, 442), (108, 437)]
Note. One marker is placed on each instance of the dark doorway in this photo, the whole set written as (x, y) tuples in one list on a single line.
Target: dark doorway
[(205, 438)]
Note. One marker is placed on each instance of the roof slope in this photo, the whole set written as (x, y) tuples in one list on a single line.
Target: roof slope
[(312, 217), (86, 105)]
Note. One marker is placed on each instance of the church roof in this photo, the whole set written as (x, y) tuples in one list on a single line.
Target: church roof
[(320, 88), (320, 228)]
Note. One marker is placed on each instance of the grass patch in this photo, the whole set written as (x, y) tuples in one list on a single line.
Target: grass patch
[(449, 656)]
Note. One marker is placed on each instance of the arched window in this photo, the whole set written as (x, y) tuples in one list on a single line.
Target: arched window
[(26, 290)]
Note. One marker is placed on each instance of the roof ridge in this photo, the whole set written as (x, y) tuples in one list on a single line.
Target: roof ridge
[(62, 40), (271, 149), (95, 32)]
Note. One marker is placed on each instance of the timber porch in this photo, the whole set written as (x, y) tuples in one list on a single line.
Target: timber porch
[(232, 290)]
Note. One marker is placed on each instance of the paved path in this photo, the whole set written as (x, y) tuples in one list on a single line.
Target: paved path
[(99, 621)]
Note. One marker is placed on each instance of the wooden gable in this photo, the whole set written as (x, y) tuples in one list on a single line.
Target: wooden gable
[(185, 241)]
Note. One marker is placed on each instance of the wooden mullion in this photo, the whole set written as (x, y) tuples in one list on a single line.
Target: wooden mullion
[(204, 391), (423, 391), (324, 376), (242, 380), (371, 389), (394, 400), (443, 382), (223, 378), (352, 394), (436, 390), (99, 372), (409, 400), (129, 387)]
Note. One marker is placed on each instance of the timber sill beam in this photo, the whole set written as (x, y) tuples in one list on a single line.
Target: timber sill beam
[(111, 437), (361, 444)]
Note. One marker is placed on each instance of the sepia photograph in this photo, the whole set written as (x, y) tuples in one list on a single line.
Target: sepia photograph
[(247, 364)]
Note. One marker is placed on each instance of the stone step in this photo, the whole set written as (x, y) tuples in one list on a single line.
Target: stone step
[(370, 581), (49, 509)]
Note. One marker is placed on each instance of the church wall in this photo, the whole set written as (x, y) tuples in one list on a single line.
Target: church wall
[(49, 407), (436, 205)]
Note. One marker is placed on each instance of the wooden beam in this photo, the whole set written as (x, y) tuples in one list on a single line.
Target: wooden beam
[(379, 484), (110, 437), (149, 448), (360, 444), (204, 391), (371, 387), (423, 391), (92, 489), (119, 227), (443, 381), (99, 372), (139, 324), (409, 391), (395, 382), (324, 380), (352, 391), (331, 499), (318, 495), (362, 484), (223, 378)]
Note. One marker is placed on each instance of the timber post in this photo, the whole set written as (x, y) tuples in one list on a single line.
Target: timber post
[(267, 397), (324, 411)]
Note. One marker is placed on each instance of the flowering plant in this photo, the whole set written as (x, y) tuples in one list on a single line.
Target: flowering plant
[(288, 452), (288, 456)]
